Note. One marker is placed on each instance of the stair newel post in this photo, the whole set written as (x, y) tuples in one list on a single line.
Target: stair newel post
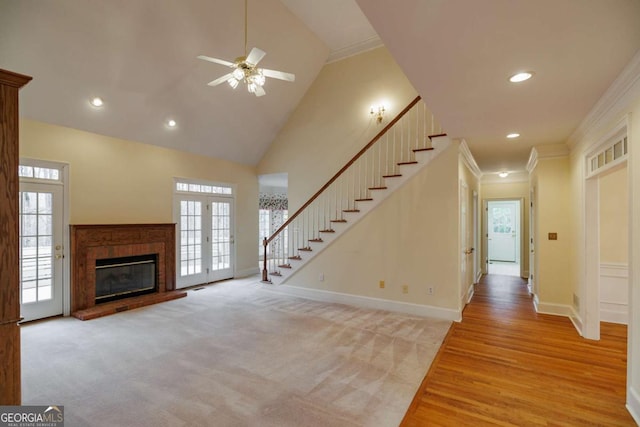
[(265, 275)]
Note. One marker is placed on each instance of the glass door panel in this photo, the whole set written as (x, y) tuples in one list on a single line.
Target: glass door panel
[(221, 240), (41, 251), (191, 257)]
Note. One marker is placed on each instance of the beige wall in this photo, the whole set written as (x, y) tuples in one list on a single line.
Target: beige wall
[(553, 258), (614, 217), (509, 190), (410, 239), (114, 181), (332, 122)]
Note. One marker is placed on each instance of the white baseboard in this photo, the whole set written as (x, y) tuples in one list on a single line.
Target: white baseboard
[(577, 321), (369, 302), (614, 313), (633, 404), (479, 276), (246, 272), (468, 295), (559, 310)]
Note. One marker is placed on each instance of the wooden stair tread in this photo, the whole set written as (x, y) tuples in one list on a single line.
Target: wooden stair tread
[(318, 240), (437, 135), (328, 230), (351, 210), (364, 200), (377, 188), (275, 273), (339, 220), (285, 266), (296, 257), (407, 163), (416, 150), (395, 175), (305, 249)]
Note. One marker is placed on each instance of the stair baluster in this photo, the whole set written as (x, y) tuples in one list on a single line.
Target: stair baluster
[(378, 161)]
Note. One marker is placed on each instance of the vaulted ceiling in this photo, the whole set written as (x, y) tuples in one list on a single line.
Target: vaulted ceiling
[(140, 56)]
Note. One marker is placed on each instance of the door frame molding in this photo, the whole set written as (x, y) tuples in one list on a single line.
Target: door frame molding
[(208, 198), (64, 182), (589, 309)]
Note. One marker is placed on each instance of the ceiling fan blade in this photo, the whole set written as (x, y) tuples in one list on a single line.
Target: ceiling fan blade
[(279, 75), (260, 91), (220, 80), (255, 56), (216, 60)]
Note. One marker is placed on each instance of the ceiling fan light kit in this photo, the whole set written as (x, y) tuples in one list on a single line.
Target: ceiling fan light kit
[(245, 68)]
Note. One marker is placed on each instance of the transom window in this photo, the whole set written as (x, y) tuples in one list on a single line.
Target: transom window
[(49, 174), (611, 154), (186, 186)]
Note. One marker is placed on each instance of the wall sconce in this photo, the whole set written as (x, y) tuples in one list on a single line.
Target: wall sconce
[(377, 113)]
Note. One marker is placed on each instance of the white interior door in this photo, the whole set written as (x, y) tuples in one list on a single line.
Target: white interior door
[(502, 231), (41, 250)]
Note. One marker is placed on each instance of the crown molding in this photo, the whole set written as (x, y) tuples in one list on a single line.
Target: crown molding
[(533, 160), (624, 89), (514, 177), (468, 159), (547, 151), (355, 49)]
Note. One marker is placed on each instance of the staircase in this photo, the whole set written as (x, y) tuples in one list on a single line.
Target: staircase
[(402, 149)]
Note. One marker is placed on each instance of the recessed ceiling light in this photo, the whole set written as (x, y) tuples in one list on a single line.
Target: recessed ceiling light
[(96, 102), (503, 174), (171, 123), (513, 135), (521, 77)]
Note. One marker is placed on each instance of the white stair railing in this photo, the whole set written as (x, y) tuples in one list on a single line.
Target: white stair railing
[(381, 159)]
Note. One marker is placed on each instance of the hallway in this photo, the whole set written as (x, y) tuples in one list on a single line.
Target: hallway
[(504, 364)]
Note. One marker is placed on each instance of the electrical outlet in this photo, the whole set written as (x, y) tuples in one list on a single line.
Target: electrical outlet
[(321, 277), (405, 289), (381, 284), (430, 290)]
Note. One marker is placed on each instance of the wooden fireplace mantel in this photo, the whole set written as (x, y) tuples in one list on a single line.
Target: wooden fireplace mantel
[(92, 242)]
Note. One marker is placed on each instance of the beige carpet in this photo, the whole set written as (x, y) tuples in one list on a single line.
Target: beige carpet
[(231, 354)]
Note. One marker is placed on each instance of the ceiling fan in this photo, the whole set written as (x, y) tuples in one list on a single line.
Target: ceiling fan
[(245, 68)]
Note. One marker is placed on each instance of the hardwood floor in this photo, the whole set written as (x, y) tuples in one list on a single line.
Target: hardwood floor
[(506, 365)]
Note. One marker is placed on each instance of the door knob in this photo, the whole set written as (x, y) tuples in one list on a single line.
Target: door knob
[(59, 256)]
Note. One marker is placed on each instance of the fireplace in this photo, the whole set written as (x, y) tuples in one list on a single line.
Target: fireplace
[(120, 267), (125, 277)]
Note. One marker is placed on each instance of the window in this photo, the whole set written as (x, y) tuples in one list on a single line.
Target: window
[(611, 154)]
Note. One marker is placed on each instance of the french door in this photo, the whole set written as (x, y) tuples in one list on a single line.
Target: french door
[(205, 242), (41, 250)]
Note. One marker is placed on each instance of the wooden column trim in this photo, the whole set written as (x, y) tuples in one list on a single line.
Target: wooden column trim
[(10, 391)]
